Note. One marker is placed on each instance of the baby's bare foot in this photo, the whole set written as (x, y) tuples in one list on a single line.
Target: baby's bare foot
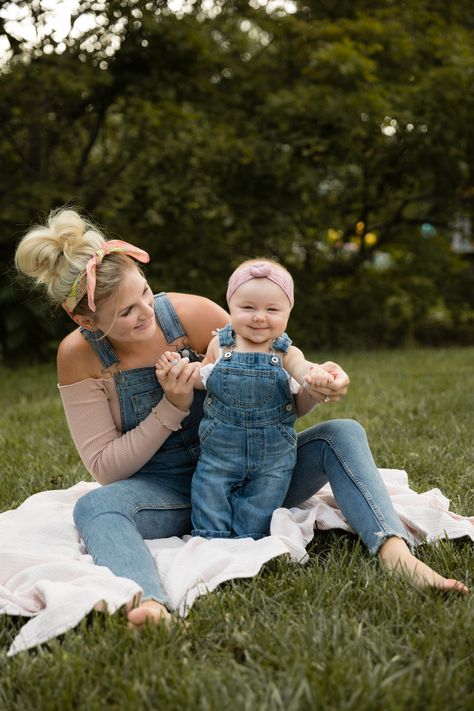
[(395, 555)]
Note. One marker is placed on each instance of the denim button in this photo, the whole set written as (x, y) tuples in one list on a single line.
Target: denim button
[(289, 407), (227, 355), (274, 360), (209, 400), (185, 353)]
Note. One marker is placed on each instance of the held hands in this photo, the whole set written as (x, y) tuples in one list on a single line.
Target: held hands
[(177, 376), (316, 379), (326, 382)]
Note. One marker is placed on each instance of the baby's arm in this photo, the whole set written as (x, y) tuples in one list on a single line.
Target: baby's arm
[(212, 352), (310, 375)]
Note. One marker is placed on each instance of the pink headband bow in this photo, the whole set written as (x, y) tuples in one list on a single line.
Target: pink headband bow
[(261, 270), (85, 280)]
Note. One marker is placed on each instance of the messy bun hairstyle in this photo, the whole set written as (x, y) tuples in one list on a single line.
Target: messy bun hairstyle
[(55, 253)]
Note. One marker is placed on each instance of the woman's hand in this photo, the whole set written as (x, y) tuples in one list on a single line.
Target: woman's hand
[(337, 388), (177, 376), (331, 392), (315, 380)]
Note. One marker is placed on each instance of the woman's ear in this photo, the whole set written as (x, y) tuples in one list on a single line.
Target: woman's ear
[(84, 321)]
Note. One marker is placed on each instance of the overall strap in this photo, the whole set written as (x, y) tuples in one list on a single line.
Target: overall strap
[(282, 343), (101, 346), (168, 318), (226, 336)]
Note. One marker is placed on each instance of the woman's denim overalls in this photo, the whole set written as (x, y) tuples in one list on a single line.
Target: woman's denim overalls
[(248, 442), (114, 520), (171, 467)]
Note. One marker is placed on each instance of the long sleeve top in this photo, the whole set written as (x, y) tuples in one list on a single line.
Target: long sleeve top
[(93, 415)]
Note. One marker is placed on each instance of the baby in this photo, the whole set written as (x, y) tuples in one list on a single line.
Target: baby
[(248, 440)]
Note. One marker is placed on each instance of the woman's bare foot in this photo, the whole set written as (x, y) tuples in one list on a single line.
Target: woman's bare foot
[(148, 612), (395, 555)]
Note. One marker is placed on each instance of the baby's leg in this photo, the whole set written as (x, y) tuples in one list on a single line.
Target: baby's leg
[(210, 496), (271, 459), (213, 480)]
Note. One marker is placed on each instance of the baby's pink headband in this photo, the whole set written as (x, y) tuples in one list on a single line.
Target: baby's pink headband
[(258, 270), (85, 280)]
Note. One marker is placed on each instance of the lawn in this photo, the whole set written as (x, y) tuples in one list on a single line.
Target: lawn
[(336, 634)]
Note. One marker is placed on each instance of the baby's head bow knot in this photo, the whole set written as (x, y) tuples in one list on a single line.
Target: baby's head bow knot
[(260, 270)]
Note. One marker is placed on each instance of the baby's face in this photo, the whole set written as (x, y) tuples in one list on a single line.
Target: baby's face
[(259, 310)]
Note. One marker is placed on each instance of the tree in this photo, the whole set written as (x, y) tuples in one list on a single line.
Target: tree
[(323, 137)]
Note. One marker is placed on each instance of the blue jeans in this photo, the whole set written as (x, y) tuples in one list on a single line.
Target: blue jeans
[(113, 520)]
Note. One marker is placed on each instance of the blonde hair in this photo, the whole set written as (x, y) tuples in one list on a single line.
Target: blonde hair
[(55, 253)]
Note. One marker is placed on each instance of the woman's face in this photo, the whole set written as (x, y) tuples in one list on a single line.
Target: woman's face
[(128, 315)]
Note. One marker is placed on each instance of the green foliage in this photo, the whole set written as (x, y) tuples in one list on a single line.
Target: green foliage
[(338, 633), (208, 138)]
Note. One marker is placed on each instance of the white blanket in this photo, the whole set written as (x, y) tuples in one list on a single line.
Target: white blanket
[(46, 574)]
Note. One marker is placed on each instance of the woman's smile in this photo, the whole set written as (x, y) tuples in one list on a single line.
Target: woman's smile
[(146, 324)]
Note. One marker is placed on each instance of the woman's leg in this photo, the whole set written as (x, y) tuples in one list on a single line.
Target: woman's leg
[(114, 520), (337, 451)]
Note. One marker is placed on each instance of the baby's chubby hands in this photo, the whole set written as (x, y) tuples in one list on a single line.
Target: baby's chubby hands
[(177, 376), (165, 362), (315, 379)]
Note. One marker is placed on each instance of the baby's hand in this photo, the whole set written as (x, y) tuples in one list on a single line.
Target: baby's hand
[(177, 376), (317, 378), (164, 364)]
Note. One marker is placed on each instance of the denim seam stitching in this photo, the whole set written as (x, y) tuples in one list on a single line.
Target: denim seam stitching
[(165, 507)]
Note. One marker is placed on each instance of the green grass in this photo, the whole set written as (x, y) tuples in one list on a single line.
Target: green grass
[(336, 634)]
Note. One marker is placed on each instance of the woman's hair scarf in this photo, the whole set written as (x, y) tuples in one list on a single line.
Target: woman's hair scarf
[(86, 279)]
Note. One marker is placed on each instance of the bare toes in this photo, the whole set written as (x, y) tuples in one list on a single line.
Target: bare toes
[(144, 615), (456, 586)]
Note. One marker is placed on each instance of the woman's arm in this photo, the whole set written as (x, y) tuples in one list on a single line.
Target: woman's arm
[(107, 453)]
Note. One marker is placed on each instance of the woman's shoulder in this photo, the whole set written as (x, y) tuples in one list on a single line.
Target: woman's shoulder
[(193, 302), (76, 359), (200, 317)]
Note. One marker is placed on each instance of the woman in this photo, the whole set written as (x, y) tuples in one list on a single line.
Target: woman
[(140, 439)]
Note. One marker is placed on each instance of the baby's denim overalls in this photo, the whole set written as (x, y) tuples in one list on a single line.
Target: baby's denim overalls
[(248, 442)]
